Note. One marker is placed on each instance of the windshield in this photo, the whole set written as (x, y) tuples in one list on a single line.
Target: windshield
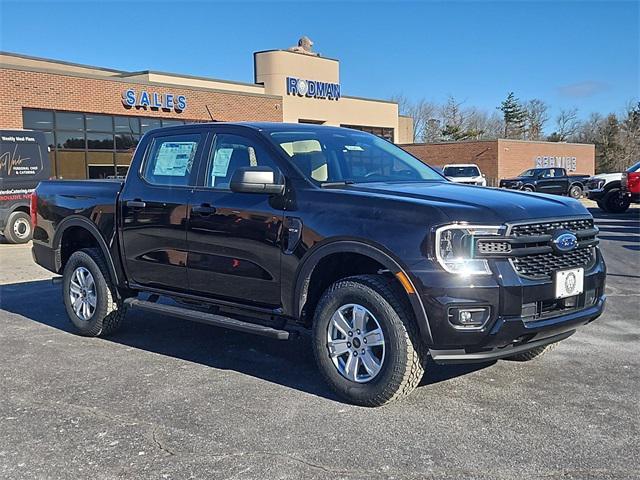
[(327, 156), (528, 173), (634, 168), (453, 171)]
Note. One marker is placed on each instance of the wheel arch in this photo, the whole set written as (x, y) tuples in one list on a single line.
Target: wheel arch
[(77, 222), (313, 259)]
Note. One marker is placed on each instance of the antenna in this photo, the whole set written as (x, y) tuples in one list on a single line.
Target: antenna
[(209, 112)]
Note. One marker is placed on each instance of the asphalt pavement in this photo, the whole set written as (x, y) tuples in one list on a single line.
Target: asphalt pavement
[(166, 398)]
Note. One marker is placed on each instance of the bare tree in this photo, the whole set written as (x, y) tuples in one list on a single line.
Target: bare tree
[(536, 117), (567, 124), (422, 112)]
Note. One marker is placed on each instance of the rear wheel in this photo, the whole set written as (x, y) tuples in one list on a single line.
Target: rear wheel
[(575, 191), (616, 201), (365, 341), (18, 228), (90, 297)]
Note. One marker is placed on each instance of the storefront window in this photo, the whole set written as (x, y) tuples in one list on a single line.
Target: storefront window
[(74, 140), (38, 120), (69, 121), (384, 132), (100, 141), (90, 145), (99, 123), (126, 124)]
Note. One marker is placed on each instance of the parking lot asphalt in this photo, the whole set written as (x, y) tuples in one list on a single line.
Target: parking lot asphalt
[(165, 398)]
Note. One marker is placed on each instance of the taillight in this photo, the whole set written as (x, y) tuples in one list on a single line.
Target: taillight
[(633, 182), (33, 210)]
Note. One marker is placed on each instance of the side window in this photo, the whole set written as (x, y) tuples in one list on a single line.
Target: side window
[(230, 152), (547, 173), (170, 161)]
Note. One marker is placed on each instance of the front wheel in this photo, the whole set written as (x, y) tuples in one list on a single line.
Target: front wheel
[(365, 341), (90, 297), (527, 188), (616, 201)]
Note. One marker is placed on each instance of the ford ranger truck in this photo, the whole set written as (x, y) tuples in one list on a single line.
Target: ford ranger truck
[(547, 180), (273, 228)]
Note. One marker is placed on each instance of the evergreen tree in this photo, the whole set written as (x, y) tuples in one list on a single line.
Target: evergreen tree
[(515, 116)]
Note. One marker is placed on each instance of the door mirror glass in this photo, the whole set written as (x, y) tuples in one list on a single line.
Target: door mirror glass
[(257, 180)]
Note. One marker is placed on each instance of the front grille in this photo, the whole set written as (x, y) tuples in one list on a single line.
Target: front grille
[(529, 247), (547, 228), (543, 265)]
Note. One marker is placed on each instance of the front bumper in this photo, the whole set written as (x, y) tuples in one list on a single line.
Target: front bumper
[(510, 327), (553, 331), (595, 194)]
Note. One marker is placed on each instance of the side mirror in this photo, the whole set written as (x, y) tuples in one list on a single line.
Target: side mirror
[(257, 180)]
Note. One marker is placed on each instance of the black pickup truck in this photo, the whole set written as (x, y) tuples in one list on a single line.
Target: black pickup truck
[(547, 180), (274, 228)]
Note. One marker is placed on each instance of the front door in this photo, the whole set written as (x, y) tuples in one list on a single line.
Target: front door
[(234, 239), (552, 181), (154, 210)]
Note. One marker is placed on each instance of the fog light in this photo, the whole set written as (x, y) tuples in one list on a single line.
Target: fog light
[(462, 317)]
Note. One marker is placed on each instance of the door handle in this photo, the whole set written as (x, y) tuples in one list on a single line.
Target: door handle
[(203, 209), (136, 204)]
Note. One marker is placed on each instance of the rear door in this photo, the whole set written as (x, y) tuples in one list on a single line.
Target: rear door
[(235, 238), (154, 209)]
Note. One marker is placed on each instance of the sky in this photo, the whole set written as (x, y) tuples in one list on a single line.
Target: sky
[(570, 54)]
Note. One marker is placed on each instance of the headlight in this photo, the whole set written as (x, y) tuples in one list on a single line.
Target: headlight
[(454, 248)]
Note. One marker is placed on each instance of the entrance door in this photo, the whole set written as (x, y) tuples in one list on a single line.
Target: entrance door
[(154, 210), (234, 238)]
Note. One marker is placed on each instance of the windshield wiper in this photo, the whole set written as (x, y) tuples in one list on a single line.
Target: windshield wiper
[(337, 184)]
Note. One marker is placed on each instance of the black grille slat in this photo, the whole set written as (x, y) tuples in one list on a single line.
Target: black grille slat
[(546, 228), (542, 265)]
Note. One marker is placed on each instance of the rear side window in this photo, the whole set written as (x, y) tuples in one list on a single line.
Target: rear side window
[(171, 160)]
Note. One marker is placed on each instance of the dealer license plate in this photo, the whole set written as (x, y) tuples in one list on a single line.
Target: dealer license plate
[(569, 282)]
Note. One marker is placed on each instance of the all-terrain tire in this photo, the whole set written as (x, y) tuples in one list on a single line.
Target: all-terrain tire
[(109, 309), (405, 354), (18, 228), (534, 353)]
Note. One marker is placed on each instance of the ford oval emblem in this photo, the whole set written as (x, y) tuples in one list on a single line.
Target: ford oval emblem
[(564, 242)]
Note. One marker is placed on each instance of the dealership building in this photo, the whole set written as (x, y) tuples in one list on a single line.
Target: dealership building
[(507, 158), (93, 117)]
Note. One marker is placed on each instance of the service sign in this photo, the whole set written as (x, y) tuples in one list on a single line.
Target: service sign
[(568, 163), (313, 88), (154, 100)]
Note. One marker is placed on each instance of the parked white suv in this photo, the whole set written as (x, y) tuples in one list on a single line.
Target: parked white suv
[(467, 173)]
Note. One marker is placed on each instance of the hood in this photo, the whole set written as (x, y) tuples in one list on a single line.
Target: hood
[(469, 203), (608, 176), (516, 179), (466, 179)]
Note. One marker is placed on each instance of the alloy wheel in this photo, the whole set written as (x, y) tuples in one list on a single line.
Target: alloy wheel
[(355, 341), (82, 293)]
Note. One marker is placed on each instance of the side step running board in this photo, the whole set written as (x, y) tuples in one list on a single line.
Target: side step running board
[(208, 318)]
